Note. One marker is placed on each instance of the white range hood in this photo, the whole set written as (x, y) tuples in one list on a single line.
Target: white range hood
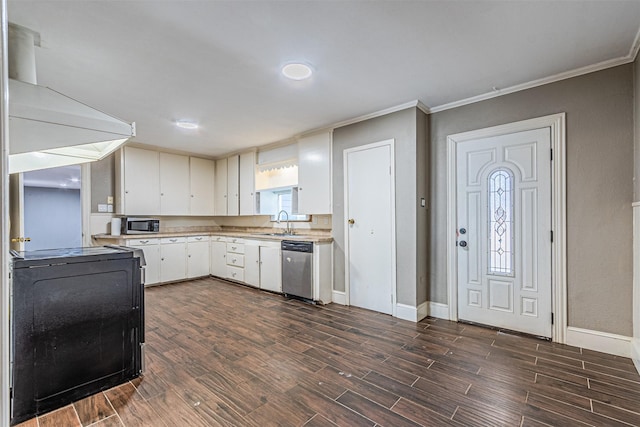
[(46, 128)]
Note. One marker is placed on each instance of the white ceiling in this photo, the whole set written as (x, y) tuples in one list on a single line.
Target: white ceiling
[(218, 62), (67, 177)]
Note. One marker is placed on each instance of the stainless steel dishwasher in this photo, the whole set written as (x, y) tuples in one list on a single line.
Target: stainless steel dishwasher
[(297, 269)]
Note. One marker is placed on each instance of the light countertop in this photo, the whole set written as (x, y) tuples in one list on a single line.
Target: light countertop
[(315, 237)]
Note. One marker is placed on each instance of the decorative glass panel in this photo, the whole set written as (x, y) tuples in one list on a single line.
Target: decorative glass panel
[(501, 245)]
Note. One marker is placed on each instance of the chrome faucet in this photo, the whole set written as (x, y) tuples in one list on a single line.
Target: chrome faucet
[(287, 230)]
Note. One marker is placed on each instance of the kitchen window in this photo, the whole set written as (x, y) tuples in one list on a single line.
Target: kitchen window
[(285, 202)]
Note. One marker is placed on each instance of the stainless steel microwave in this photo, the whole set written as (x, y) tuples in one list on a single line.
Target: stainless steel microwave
[(140, 225)]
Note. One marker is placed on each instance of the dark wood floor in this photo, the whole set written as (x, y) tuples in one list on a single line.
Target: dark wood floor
[(223, 354)]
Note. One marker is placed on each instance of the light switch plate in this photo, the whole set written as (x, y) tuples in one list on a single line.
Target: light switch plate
[(110, 200), (109, 208), (102, 207)]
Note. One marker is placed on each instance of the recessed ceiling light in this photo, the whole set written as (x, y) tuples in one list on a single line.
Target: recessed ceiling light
[(186, 124), (297, 71)]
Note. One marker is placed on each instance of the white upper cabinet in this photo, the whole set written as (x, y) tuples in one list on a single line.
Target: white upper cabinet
[(314, 174), (233, 188), (137, 182), (174, 184), (220, 191), (202, 179), (247, 183)]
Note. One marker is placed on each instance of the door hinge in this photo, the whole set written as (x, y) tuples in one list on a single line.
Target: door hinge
[(551, 236), (552, 154), (552, 318)]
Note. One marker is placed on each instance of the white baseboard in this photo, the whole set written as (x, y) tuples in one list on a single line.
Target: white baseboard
[(339, 297), (411, 313), (423, 310), (406, 312), (439, 310), (635, 353), (604, 342)]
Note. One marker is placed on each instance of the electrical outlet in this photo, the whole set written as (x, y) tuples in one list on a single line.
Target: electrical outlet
[(102, 207), (109, 208), (110, 200)]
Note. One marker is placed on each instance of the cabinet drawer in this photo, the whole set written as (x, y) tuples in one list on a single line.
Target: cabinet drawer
[(235, 273), (219, 239), (235, 259), (194, 239), (142, 242), (237, 248), (170, 240), (235, 240)]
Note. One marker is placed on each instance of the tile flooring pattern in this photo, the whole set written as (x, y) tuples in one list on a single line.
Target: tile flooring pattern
[(224, 354)]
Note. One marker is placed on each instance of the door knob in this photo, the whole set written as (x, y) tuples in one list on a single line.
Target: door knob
[(352, 221), (463, 244)]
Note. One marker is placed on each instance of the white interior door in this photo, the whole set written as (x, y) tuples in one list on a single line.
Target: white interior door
[(504, 231), (369, 209)]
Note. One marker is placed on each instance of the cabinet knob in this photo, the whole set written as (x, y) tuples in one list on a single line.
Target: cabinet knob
[(161, 259), (299, 188), (352, 221), (162, 194)]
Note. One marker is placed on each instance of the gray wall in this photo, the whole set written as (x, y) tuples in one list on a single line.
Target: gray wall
[(103, 181), (52, 218), (400, 126), (422, 186), (599, 109)]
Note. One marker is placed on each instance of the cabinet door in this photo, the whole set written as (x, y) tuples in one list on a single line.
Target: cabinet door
[(152, 259), (233, 190), (314, 174), (141, 182), (173, 261), (270, 269), (174, 184), (198, 258), (219, 258), (247, 183), (202, 178), (220, 192), (252, 264)]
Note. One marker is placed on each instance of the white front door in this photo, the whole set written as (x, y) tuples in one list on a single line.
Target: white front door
[(369, 210), (504, 231)]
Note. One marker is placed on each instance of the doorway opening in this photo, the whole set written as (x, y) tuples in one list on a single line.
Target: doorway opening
[(51, 208)]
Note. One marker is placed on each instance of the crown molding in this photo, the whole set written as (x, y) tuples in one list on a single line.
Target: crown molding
[(543, 81), (410, 104)]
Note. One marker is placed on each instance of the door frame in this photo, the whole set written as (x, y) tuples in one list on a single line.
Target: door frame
[(85, 203), (557, 123), (392, 178)]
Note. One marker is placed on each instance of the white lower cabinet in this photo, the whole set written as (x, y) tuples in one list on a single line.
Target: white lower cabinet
[(262, 266), (151, 250), (252, 264), (219, 256), (173, 259), (235, 259), (271, 268), (198, 256)]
